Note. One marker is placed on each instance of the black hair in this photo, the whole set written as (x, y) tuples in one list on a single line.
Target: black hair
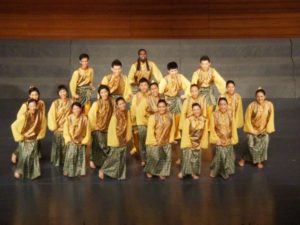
[(144, 80), (32, 100), (196, 104), (162, 101), (76, 104), (154, 83), (260, 90), (205, 58), (230, 82), (222, 99), (84, 56), (172, 65), (116, 62), (33, 89), (194, 85), (138, 66), (62, 87), (102, 86), (119, 99)]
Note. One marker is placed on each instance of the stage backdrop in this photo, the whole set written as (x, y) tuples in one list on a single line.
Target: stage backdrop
[(273, 64)]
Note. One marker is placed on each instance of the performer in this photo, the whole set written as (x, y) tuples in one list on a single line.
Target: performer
[(139, 107), (27, 130), (160, 136), (119, 134), (235, 103), (187, 111), (59, 111), (33, 93), (117, 82), (77, 135), (153, 99), (194, 140), (143, 68), (259, 123), (99, 118), (205, 77), (223, 134), (81, 84)]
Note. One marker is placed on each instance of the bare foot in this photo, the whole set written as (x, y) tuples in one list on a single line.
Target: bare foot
[(162, 178), (180, 175), (65, 174), (133, 151), (14, 158), (242, 162), (226, 178), (260, 165), (149, 175), (101, 175), (211, 174), (143, 163), (195, 177), (92, 165), (17, 175), (178, 162)]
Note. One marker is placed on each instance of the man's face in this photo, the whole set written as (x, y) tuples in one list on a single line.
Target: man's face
[(63, 94), (84, 62), (143, 56), (34, 95), (116, 70), (32, 107), (76, 110), (173, 71), (144, 87), (154, 90), (194, 92), (196, 111), (205, 64)]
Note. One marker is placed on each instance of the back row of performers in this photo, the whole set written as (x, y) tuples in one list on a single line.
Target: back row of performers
[(156, 122)]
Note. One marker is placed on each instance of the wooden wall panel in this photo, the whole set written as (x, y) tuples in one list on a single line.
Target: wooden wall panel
[(132, 19)]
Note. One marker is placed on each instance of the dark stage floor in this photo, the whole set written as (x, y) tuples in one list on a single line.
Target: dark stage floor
[(251, 196)]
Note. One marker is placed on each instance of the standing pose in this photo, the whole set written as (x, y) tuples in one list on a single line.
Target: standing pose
[(119, 134), (153, 99), (259, 123), (194, 139), (77, 135), (27, 130), (99, 118), (223, 134), (57, 115), (81, 84), (160, 136)]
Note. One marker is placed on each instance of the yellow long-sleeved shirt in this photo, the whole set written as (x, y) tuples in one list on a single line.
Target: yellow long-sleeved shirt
[(41, 106), (81, 77), (138, 109), (58, 113), (171, 85)]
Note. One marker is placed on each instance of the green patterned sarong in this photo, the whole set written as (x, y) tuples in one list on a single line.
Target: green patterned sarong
[(190, 162), (58, 149), (142, 133), (158, 160), (208, 94), (75, 160), (223, 161), (257, 148), (85, 93), (28, 165), (99, 148), (134, 88), (115, 164), (174, 104)]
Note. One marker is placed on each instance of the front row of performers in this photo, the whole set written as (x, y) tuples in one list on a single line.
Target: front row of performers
[(145, 117)]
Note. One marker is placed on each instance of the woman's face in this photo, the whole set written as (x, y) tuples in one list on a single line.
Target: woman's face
[(223, 106), (194, 92), (34, 95), (230, 88), (63, 94), (104, 94), (260, 97), (76, 110), (121, 105), (32, 107), (162, 108), (196, 111)]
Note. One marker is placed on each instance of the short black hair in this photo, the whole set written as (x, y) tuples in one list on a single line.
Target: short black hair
[(154, 84), (260, 90), (144, 80), (194, 85), (172, 65), (33, 89), (222, 99), (142, 50), (62, 87), (32, 100), (119, 99), (204, 58), (230, 82), (102, 86), (116, 62), (76, 104), (84, 56), (196, 104), (162, 101)]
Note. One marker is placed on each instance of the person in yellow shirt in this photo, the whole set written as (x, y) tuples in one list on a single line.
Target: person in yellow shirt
[(27, 130), (160, 136), (259, 123), (153, 99), (117, 82), (33, 93), (139, 107), (194, 140), (205, 77), (99, 118), (223, 133), (143, 68), (77, 135), (119, 134), (187, 111), (81, 83), (59, 111)]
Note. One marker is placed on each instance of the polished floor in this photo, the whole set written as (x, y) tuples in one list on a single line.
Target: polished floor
[(250, 197)]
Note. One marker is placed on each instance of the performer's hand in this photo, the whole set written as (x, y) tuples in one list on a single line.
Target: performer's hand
[(76, 96), (183, 97)]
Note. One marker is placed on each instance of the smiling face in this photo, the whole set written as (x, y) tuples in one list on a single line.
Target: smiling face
[(104, 94), (162, 108), (194, 92), (196, 111), (63, 94), (154, 90), (76, 110), (34, 95), (223, 105), (260, 97), (117, 70), (143, 56), (32, 107), (205, 65), (230, 88), (121, 105), (144, 87), (84, 63)]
